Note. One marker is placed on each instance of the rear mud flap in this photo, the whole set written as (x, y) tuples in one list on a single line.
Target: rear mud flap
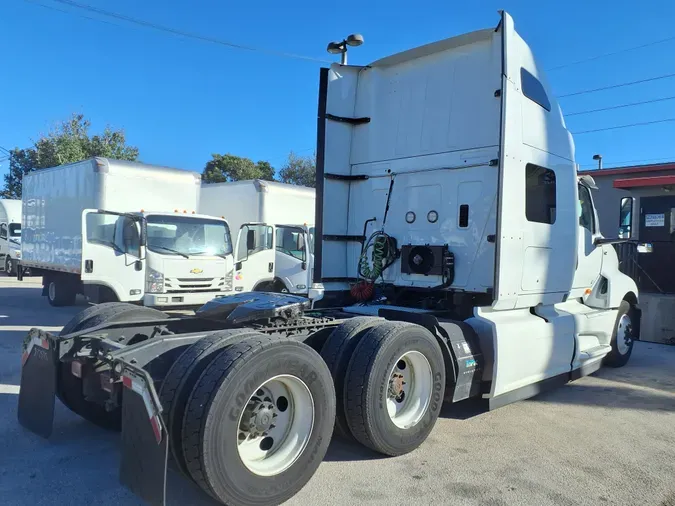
[(38, 383), (145, 444)]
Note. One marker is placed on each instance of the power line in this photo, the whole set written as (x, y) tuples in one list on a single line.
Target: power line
[(6, 150), (593, 58), (65, 11), (624, 126), (666, 76), (619, 106), (173, 31)]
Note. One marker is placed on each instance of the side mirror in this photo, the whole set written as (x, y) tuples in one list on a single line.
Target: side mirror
[(250, 240), (304, 266)]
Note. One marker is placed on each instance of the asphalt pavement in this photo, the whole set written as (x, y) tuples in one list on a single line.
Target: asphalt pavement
[(608, 439)]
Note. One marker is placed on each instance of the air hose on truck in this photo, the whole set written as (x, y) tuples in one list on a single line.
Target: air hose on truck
[(378, 253)]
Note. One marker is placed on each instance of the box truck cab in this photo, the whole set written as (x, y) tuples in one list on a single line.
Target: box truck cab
[(157, 258), (275, 232), (10, 235), (274, 258), (123, 231)]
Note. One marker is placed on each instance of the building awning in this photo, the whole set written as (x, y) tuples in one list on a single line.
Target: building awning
[(643, 182)]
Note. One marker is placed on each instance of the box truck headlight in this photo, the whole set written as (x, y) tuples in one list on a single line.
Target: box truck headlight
[(154, 281), (16, 253)]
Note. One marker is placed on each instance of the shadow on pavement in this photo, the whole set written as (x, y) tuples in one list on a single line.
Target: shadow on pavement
[(341, 450), (610, 395)]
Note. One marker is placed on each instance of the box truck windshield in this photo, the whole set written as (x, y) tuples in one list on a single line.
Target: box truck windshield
[(187, 236), (15, 229)]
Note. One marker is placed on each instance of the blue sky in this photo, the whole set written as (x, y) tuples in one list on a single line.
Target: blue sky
[(180, 100)]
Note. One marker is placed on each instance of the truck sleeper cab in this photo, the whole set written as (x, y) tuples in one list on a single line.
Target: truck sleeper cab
[(450, 221)]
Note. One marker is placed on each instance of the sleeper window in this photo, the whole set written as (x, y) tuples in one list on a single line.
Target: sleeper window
[(540, 194)]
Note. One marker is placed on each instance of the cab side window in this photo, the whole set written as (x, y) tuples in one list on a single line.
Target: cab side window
[(291, 242), (586, 209), (3, 231)]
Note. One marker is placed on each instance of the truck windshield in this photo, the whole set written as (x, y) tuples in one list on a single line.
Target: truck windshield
[(187, 235), (15, 229)]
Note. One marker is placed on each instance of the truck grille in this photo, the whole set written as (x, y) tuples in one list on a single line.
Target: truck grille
[(198, 285)]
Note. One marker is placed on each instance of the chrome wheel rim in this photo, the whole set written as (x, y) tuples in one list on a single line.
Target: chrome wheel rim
[(408, 394), (52, 290), (624, 334), (275, 426)]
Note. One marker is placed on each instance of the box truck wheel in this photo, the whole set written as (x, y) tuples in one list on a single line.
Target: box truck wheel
[(259, 421), (61, 291), (69, 387), (10, 266), (394, 387), (623, 337), (181, 378), (336, 353)]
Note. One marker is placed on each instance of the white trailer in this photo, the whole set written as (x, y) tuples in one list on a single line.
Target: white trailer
[(10, 235), (275, 224), (123, 231), (467, 252)]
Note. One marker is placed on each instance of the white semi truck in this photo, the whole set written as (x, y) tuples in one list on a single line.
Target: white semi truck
[(452, 223), (275, 245), (10, 235), (123, 231)]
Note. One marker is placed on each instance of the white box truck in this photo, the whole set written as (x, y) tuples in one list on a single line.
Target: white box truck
[(275, 239), (123, 231), (10, 235), (494, 283)]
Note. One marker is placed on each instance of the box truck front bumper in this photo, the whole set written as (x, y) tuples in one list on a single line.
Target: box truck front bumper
[(180, 299)]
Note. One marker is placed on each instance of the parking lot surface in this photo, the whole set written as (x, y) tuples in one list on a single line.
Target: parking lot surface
[(608, 439)]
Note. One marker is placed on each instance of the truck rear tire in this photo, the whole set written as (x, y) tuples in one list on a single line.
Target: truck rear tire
[(623, 337), (240, 415), (69, 387), (60, 291), (180, 380), (336, 353), (394, 387)]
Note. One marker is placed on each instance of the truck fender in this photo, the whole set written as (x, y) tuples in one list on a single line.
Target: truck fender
[(461, 351)]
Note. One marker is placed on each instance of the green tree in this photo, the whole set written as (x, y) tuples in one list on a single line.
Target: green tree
[(69, 142), (300, 170), (228, 167)]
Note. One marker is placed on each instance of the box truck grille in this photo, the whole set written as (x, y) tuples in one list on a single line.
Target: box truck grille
[(199, 285)]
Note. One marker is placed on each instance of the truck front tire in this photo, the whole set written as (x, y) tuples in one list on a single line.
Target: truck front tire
[(259, 421), (10, 266), (623, 337), (60, 291), (394, 387)]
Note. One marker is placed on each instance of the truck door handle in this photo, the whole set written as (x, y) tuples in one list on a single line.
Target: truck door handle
[(88, 266), (270, 267)]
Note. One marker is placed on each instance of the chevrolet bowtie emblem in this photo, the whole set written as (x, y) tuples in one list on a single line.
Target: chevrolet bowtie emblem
[(196, 271)]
